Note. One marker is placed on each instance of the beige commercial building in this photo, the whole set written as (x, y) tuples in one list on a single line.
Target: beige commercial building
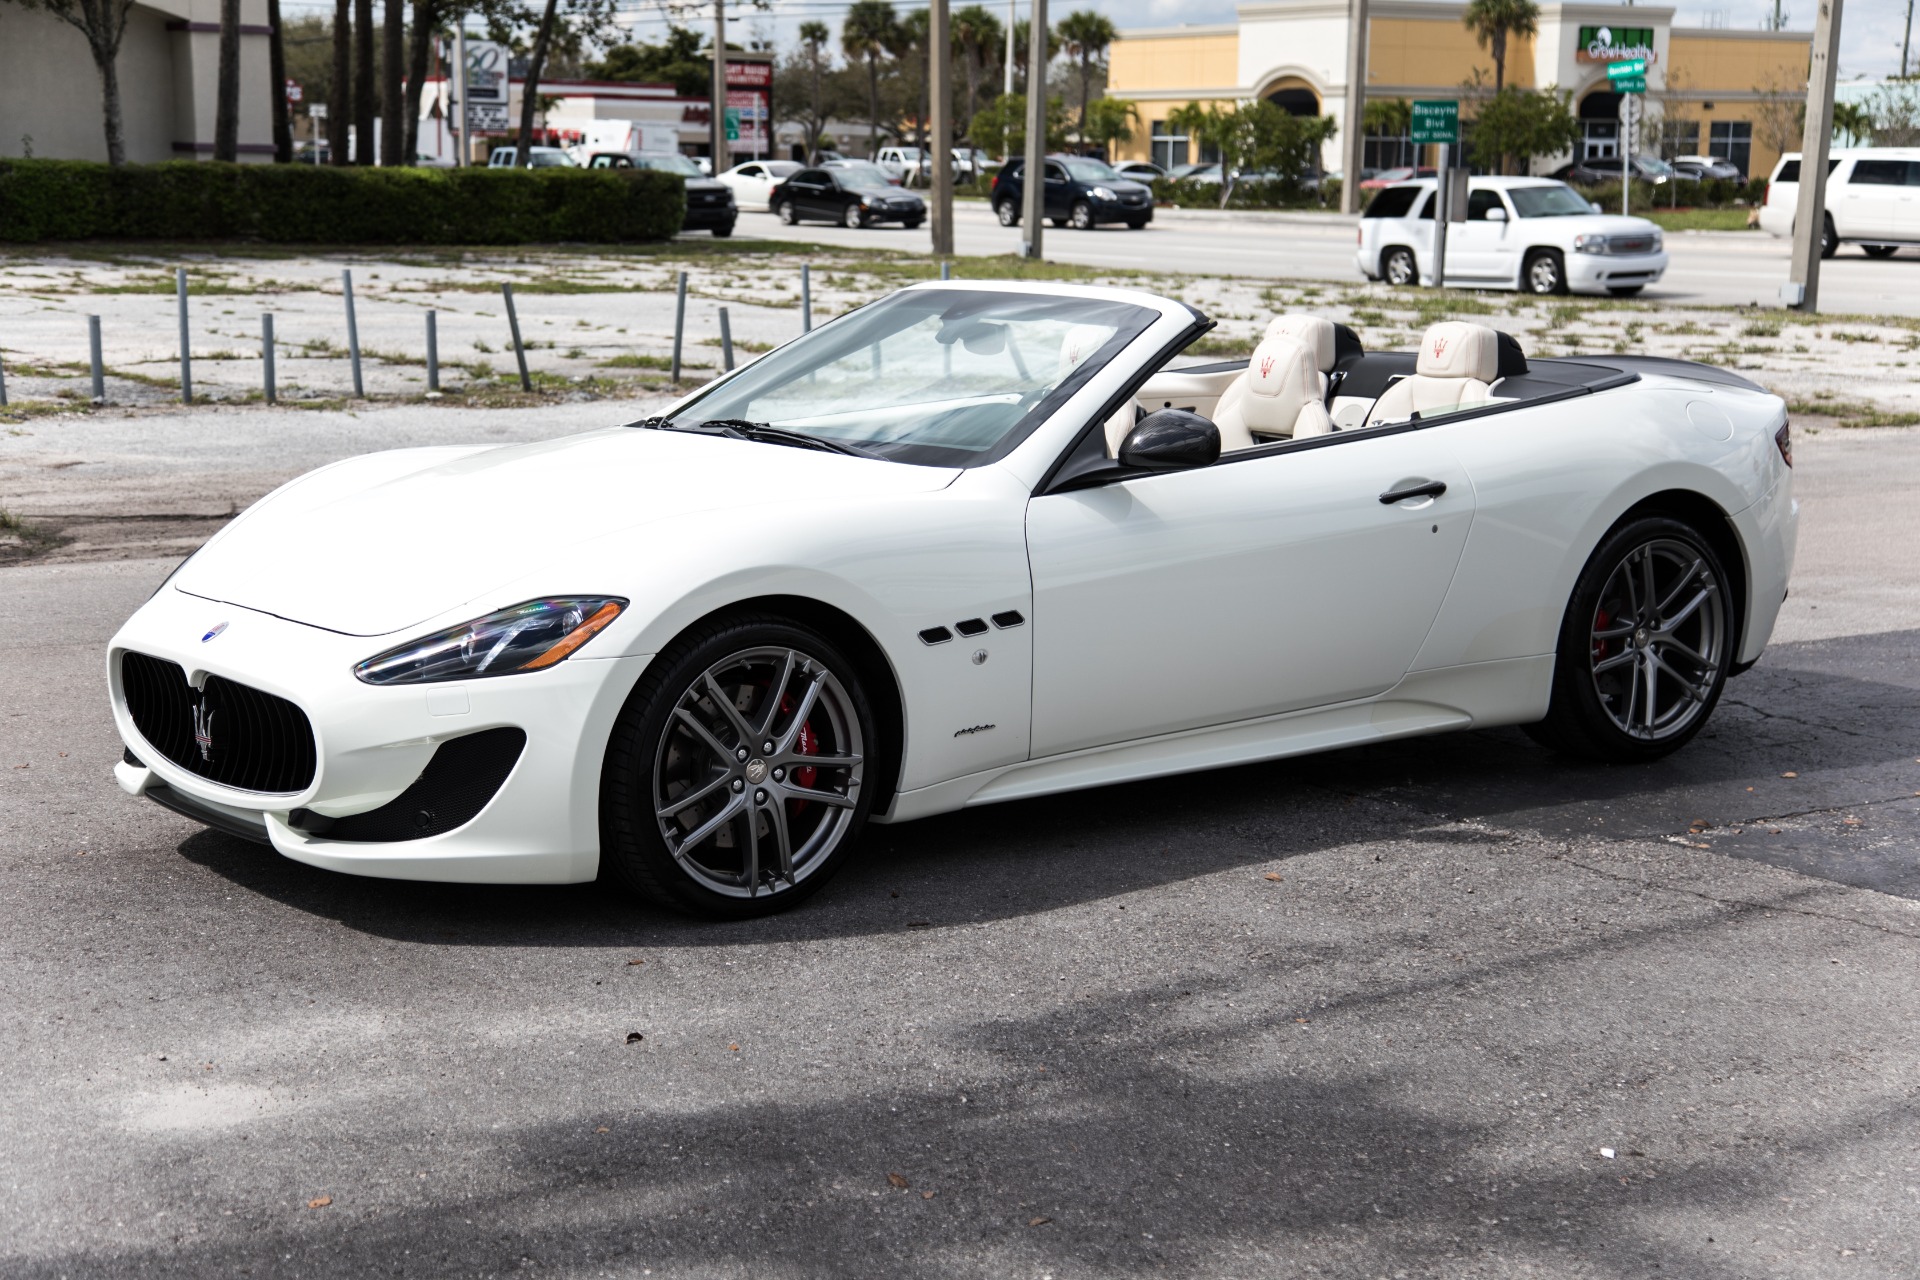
[(50, 99), (1718, 89)]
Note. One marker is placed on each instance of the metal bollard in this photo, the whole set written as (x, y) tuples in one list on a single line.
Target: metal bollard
[(93, 358), (3, 380), (679, 323), (433, 351), (513, 324), (266, 357), (806, 298), (186, 356), (946, 271), (353, 334), (726, 342)]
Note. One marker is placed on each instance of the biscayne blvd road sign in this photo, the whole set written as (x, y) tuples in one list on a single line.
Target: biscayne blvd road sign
[(1436, 121)]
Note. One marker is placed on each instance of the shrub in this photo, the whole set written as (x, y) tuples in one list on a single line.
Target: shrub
[(1257, 194), (311, 204)]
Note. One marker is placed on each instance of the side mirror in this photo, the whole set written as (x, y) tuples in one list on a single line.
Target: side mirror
[(1497, 214), (1595, 206), (1171, 440)]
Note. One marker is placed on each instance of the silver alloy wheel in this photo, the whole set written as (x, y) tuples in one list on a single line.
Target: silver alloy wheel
[(1659, 635), (1009, 216), (1543, 274), (758, 773), (1082, 218), (786, 213), (856, 217), (1400, 269)]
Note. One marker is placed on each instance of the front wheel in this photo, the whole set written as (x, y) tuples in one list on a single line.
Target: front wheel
[(1136, 224), (786, 214), (736, 775), (1008, 212), (855, 216), (1544, 273), (1645, 645), (1397, 268), (1829, 239), (1081, 219), (723, 230)]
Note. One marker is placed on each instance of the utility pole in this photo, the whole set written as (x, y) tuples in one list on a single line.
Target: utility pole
[(1034, 179), (1356, 125), (1906, 41), (1802, 289), (939, 107), (719, 86), (1010, 22), (458, 106)]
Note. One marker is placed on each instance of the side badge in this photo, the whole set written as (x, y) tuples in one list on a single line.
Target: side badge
[(211, 634)]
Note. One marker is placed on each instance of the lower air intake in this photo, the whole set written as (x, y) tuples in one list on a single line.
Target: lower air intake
[(462, 776)]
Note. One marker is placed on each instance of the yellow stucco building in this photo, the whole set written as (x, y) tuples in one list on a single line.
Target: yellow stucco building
[(1718, 91)]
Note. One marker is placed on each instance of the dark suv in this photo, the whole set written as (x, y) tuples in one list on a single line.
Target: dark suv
[(710, 205), (1080, 193)]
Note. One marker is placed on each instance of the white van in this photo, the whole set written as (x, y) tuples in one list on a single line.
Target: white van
[(1873, 199)]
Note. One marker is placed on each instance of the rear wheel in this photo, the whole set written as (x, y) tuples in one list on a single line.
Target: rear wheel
[(734, 777), (724, 230), (1008, 212), (1397, 267), (1829, 239), (1880, 250), (785, 212), (1081, 218), (1644, 648), (1545, 272)]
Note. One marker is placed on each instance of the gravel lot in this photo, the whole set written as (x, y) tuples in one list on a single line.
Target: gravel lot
[(1445, 1008)]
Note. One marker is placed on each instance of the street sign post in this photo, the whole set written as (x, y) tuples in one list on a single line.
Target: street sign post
[(1628, 84), (1438, 122), (1627, 69)]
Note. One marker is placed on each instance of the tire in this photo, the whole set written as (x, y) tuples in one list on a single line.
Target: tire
[(1136, 224), (1058, 222), (855, 217), (786, 214), (914, 225), (1544, 272), (1880, 250), (1009, 213), (1398, 268), (748, 842), (1081, 218), (1680, 635), (723, 231), (1625, 290), (1829, 239)]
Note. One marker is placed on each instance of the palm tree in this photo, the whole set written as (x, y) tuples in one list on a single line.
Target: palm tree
[(1853, 120), (814, 35), (1492, 21), (869, 29), (1086, 36), (1023, 43), (977, 34)]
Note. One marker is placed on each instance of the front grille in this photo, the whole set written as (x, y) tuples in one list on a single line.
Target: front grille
[(463, 775), (227, 733), (1630, 244)]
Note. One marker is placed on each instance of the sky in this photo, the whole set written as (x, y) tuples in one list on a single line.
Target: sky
[(1869, 37)]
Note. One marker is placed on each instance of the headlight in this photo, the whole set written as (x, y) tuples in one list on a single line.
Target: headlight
[(1590, 244), (1104, 193), (522, 637), (1659, 241)]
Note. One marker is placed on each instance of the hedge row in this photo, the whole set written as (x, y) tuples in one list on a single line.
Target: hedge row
[(1714, 193), (313, 204)]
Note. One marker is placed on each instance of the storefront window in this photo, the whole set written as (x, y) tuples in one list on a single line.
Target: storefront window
[(1679, 138), (1732, 141), (1169, 148)]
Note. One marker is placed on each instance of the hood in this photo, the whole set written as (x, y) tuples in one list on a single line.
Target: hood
[(710, 185), (388, 541), (1125, 185)]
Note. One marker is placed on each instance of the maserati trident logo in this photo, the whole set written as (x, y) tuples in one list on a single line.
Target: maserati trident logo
[(203, 729), (1266, 366), (1439, 347)]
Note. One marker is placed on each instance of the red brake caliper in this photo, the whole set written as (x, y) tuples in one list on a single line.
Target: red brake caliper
[(808, 744), (1601, 621)]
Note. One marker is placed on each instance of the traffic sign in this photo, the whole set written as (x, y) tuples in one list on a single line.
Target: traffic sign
[(733, 124), (1436, 121), (1628, 84), (1627, 69)]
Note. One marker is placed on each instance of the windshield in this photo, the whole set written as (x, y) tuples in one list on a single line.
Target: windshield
[(938, 377), (670, 164), (1556, 201), (861, 177), (1090, 170), (1650, 164), (550, 160)]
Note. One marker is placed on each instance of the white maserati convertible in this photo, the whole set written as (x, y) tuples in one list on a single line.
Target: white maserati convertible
[(969, 543)]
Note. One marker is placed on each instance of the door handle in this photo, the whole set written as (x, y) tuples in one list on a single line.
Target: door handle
[(1425, 489)]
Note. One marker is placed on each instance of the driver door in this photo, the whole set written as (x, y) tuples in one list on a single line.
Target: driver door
[(1259, 585), (1057, 197)]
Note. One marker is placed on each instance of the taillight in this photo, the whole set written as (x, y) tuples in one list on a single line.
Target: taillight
[(1766, 192), (1783, 440)]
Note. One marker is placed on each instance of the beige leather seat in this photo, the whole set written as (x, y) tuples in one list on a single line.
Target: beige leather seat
[(1279, 396), (1316, 333), (1458, 364)]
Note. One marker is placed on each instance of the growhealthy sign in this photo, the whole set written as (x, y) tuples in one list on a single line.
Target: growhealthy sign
[(1436, 121)]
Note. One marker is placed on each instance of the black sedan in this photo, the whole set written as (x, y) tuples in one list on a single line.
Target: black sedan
[(853, 193), (710, 205), (1080, 192)]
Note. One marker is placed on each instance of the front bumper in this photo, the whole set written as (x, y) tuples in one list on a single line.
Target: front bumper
[(372, 743), (896, 213), (1589, 271), (1121, 211), (706, 217)]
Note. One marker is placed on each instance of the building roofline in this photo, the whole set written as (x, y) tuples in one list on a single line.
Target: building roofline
[(1166, 33)]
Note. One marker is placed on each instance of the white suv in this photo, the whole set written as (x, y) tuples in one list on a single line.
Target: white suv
[(1873, 199), (1533, 234)]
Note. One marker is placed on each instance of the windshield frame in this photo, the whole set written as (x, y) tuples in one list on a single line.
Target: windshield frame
[(1142, 319), (653, 161)]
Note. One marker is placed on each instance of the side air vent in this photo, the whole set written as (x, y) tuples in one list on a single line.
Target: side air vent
[(1011, 618), (935, 635), (463, 775), (971, 627)]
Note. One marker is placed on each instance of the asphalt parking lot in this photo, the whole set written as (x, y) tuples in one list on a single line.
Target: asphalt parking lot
[(1446, 1008)]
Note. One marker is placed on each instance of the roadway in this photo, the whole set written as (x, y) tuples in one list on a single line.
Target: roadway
[(1716, 268)]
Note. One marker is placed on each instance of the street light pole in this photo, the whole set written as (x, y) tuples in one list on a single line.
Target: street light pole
[(940, 106), (1355, 124), (1802, 289), (1010, 24), (463, 155), (1034, 178), (719, 131)]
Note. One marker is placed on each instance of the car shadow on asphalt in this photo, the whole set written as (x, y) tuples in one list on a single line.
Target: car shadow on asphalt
[(1800, 712)]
